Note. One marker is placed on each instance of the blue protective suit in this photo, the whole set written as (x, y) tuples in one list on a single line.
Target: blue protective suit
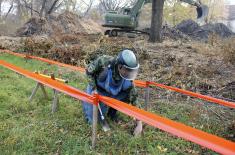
[(106, 86)]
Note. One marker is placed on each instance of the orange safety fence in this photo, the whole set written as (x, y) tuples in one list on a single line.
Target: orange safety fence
[(197, 95), (138, 83), (51, 83), (45, 60), (204, 139)]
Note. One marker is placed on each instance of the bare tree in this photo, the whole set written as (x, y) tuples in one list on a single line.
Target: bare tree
[(10, 9), (53, 7), (88, 4), (1, 8), (30, 6), (156, 22), (70, 5), (43, 8)]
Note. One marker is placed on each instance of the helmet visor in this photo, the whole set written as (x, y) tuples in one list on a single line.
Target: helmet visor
[(127, 72)]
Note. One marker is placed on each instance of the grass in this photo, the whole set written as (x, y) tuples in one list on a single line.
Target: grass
[(30, 128)]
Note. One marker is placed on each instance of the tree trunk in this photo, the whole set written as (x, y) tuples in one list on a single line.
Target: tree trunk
[(174, 15), (19, 12), (1, 9), (52, 7), (42, 8), (31, 11), (9, 10), (156, 22)]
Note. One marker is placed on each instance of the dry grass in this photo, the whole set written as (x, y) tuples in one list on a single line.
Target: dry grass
[(228, 50), (37, 44)]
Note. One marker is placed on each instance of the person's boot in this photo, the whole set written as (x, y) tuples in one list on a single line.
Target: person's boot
[(138, 129), (112, 114)]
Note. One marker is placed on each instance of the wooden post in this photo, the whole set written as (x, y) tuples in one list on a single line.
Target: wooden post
[(94, 126), (55, 101), (146, 100), (44, 91), (35, 91), (94, 121)]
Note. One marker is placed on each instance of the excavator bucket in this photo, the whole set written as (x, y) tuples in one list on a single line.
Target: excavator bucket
[(202, 13)]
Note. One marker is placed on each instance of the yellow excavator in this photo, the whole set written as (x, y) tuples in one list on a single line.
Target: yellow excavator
[(126, 20)]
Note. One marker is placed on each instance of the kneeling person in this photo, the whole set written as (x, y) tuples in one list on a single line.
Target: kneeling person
[(112, 77)]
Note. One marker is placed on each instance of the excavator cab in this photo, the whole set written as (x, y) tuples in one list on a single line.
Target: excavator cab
[(126, 11)]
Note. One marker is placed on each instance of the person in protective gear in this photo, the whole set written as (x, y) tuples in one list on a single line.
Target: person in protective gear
[(112, 77)]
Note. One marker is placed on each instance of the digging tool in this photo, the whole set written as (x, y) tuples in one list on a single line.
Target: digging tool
[(104, 123)]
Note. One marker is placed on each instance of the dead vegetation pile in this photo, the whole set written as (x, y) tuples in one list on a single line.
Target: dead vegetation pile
[(228, 50), (194, 66), (199, 67), (65, 23), (13, 43), (66, 48)]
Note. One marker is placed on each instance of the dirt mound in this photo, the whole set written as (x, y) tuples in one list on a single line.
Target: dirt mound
[(173, 33), (169, 32), (192, 29), (219, 29), (66, 22), (188, 26)]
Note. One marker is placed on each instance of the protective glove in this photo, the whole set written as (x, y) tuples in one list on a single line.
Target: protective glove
[(94, 91), (138, 129)]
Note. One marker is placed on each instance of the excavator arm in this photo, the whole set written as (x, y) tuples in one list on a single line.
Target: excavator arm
[(192, 2), (202, 10), (127, 19)]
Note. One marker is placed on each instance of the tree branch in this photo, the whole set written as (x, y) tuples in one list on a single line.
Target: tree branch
[(42, 8), (9, 10), (30, 7), (52, 7)]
